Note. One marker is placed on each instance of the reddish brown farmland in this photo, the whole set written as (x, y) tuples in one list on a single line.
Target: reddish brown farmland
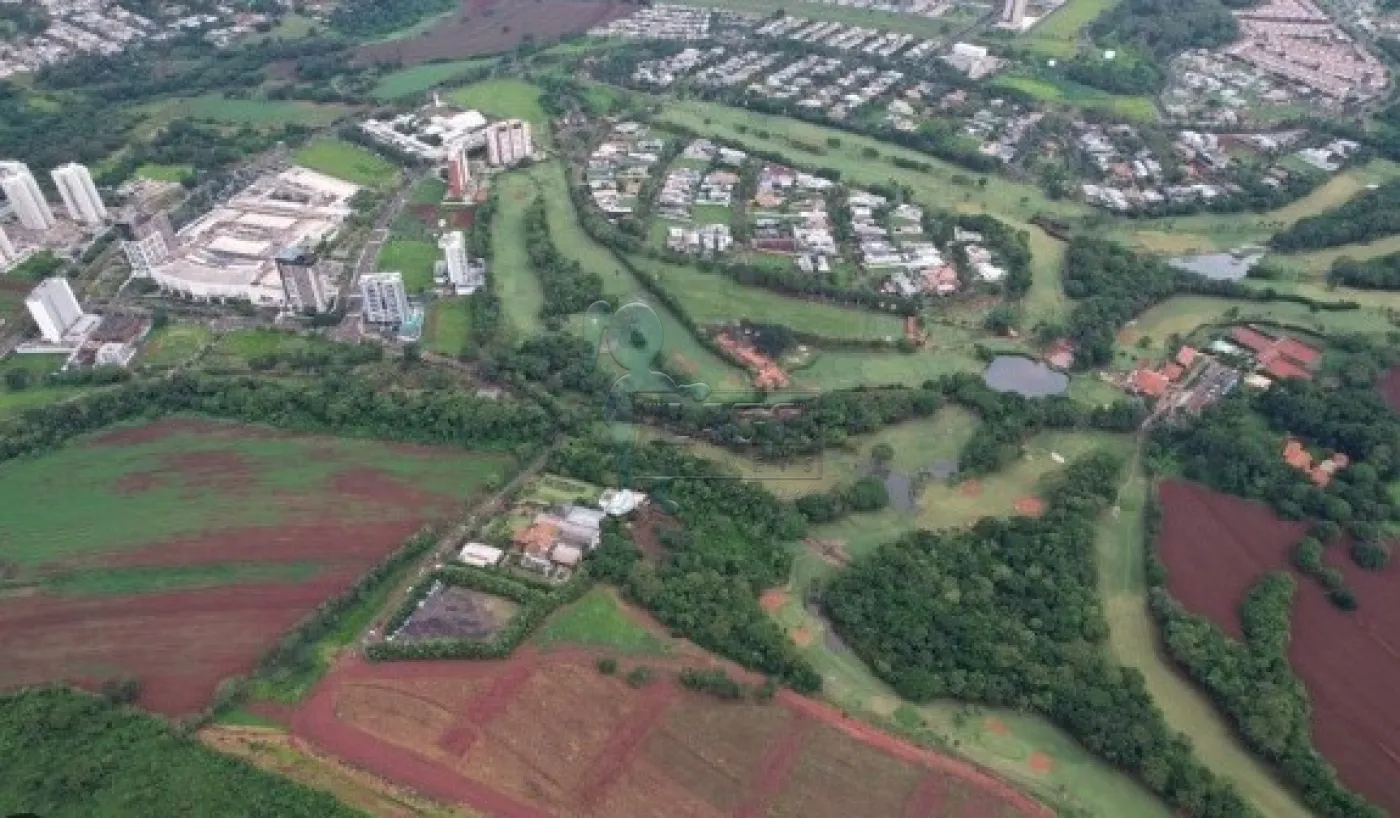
[(481, 27), (547, 735), (184, 549), (1389, 386), (1215, 546)]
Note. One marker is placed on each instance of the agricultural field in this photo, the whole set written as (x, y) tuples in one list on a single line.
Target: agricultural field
[(550, 735), (174, 344), (1133, 639), (185, 547), (1342, 657), (485, 27), (503, 98), (349, 162), (419, 78), (415, 258)]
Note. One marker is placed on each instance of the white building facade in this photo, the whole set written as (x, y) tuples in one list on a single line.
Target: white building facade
[(465, 277), (23, 191), (54, 308), (79, 194), (509, 142), (383, 298), (301, 281), (8, 252)]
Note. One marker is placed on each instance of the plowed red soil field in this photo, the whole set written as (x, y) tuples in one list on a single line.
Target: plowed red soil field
[(544, 735), (1215, 546), (184, 549), (481, 27)]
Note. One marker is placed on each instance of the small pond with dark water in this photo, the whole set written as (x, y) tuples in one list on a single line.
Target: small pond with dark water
[(1019, 374)]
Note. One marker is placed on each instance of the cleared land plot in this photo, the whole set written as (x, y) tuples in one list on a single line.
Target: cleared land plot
[(599, 620), (504, 98), (457, 613), (483, 27), (1058, 35), (183, 548), (549, 735), (1065, 92), (166, 173), (869, 18), (415, 258), (349, 162), (448, 327), (236, 349), (174, 344), (1215, 546), (266, 112), (420, 78)]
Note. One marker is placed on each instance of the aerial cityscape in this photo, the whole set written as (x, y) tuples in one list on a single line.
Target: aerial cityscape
[(699, 408)]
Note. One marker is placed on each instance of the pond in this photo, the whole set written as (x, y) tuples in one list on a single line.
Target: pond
[(1218, 266), (1016, 373)]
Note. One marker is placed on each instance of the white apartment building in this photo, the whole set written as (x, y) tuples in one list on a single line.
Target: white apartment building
[(79, 194), (23, 191), (465, 277), (459, 171), (383, 298), (1013, 14), (508, 142), (54, 308), (7, 248), (146, 254)]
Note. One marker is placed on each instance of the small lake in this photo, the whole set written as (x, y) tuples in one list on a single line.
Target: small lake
[(1218, 266), (1016, 373)]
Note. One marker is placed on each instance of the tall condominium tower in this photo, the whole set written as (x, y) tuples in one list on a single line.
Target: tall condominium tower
[(383, 298), (18, 185), (54, 308), (509, 142), (79, 194), (301, 280), (1013, 13)]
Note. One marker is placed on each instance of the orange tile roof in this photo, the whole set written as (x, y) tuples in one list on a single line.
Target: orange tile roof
[(1152, 384), (1320, 477), (538, 538), (1186, 356), (1173, 372), (1280, 368), (1298, 351), (1296, 456), (1341, 460)]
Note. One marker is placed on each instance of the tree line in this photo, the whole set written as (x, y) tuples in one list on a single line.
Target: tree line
[(568, 288), (1007, 614), (1369, 215)]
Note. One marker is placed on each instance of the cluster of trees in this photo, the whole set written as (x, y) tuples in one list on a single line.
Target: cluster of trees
[(865, 494), (19, 378), (205, 148), (68, 753), (370, 18), (486, 320), (1007, 614), (722, 686), (1380, 273), (568, 288), (1110, 285), (1308, 558), (323, 358), (1123, 74), (1156, 30), (1011, 246), (1252, 681), (728, 549), (555, 360), (1371, 214)]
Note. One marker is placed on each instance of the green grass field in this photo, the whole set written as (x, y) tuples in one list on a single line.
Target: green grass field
[(1065, 92), (429, 191), (503, 98), (522, 297), (415, 258), (235, 349), (908, 23), (36, 365), (191, 481), (165, 173), (681, 350), (448, 327), (1058, 35), (174, 344), (12, 402), (419, 78), (599, 621), (844, 369), (1133, 641), (1316, 264), (1182, 315), (349, 162)]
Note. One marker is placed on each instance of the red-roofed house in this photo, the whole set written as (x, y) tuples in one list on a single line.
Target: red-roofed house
[(1251, 339), (1298, 352), (1173, 372), (1296, 456), (1149, 383), (1186, 356)]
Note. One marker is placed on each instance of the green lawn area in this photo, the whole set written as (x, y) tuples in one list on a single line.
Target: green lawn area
[(714, 298), (237, 348), (36, 365), (349, 162), (502, 98), (219, 108), (1058, 34), (415, 258), (1065, 92), (1182, 315), (844, 369), (599, 621), (12, 402), (419, 78), (681, 350), (429, 191), (1133, 641), (909, 23), (127, 494), (165, 173), (1317, 263), (522, 298), (448, 326), (174, 344)]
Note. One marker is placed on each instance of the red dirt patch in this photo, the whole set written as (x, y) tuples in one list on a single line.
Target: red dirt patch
[(802, 637), (972, 488), (167, 427), (1214, 547), (571, 742), (997, 726), (1389, 387), (1030, 506), (773, 600), (1040, 763), (482, 27)]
